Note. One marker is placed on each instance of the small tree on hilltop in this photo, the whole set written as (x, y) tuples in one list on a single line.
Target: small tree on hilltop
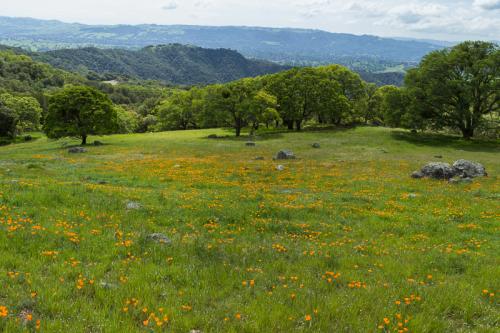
[(80, 111)]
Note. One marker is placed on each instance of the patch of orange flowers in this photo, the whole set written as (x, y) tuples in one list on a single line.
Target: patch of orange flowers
[(4, 312)]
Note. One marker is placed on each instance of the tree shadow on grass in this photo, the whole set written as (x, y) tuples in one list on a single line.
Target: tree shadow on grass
[(449, 141), (275, 134), (246, 137)]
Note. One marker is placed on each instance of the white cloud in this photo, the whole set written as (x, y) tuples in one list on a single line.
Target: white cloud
[(172, 5), (487, 4)]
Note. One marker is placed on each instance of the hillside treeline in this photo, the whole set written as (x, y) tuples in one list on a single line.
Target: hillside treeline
[(455, 89)]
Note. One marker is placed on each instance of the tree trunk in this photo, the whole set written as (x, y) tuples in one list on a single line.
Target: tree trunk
[(467, 132), (290, 124), (298, 125), (84, 140)]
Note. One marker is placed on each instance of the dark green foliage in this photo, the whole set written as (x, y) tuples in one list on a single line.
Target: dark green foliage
[(329, 93), (27, 109), (20, 74), (383, 79), (175, 64), (458, 87), (80, 111), (180, 110), (8, 121)]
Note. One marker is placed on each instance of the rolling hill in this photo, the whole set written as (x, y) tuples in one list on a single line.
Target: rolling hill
[(174, 64)]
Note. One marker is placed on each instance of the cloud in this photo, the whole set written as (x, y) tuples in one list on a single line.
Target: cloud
[(413, 14), (487, 4), (172, 5)]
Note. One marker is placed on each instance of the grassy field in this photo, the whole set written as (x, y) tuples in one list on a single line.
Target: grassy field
[(342, 240)]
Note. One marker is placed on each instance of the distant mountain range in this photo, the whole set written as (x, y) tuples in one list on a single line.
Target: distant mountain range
[(288, 46)]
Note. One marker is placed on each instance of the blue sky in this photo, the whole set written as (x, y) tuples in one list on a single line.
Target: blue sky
[(434, 19)]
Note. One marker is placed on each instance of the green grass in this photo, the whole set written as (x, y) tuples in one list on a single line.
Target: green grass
[(252, 247)]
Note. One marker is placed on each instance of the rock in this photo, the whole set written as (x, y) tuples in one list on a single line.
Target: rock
[(259, 158), (316, 145), (412, 195), (159, 238), (132, 205), (195, 331), (177, 166), (280, 167), (250, 144), (77, 150), (469, 169), (212, 136), (107, 285), (438, 170), (438, 156), (417, 175), (98, 143), (285, 155)]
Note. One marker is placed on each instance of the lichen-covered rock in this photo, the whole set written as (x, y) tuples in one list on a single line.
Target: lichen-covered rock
[(159, 238), (132, 205), (285, 155), (469, 169), (438, 170), (316, 145), (77, 150)]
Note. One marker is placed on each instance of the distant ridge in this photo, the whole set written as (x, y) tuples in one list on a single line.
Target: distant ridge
[(173, 64)]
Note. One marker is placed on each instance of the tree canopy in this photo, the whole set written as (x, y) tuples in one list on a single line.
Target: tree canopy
[(80, 111), (457, 87)]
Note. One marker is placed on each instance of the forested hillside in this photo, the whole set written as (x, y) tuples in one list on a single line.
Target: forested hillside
[(174, 64)]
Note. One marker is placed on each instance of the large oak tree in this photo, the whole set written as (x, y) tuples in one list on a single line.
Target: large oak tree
[(457, 87), (78, 111)]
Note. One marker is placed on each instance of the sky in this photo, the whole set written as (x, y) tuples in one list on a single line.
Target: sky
[(452, 20)]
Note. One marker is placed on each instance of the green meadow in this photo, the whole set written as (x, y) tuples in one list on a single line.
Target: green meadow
[(341, 240)]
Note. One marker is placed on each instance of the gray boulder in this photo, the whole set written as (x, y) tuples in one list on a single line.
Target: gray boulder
[(417, 175), (316, 145), (250, 144), (469, 169), (77, 150), (159, 238), (132, 205), (259, 158), (285, 155), (280, 167), (438, 170)]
